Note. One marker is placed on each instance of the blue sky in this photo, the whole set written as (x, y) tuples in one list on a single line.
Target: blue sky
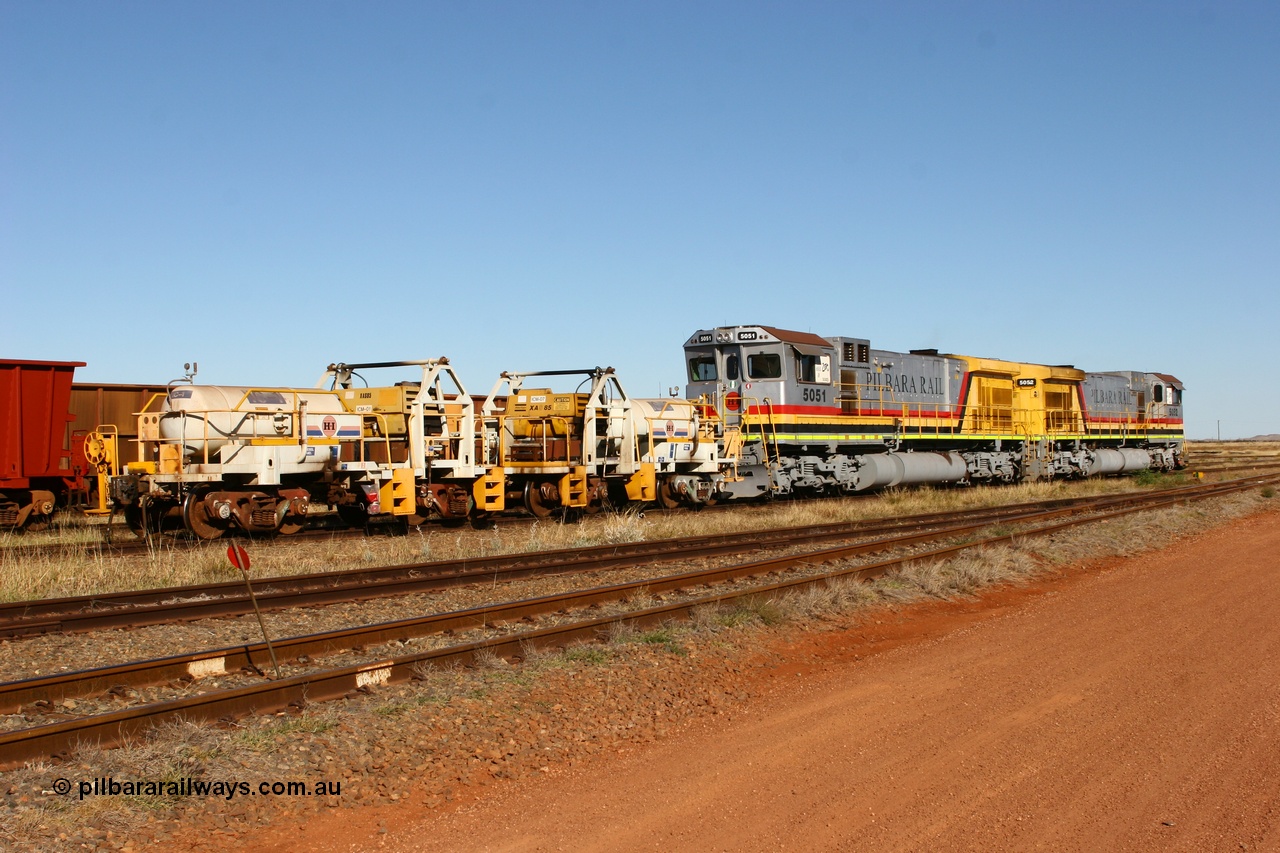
[(268, 187)]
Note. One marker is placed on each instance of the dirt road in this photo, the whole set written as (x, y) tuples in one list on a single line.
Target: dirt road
[(1132, 706)]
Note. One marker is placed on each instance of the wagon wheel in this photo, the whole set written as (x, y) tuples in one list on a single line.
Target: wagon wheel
[(145, 519), (597, 497), (291, 524), (196, 518), (537, 502), (353, 516), (133, 518), (667, 497)]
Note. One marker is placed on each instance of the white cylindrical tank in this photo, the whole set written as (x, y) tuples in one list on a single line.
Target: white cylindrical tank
[(665, 420), (211, 416)]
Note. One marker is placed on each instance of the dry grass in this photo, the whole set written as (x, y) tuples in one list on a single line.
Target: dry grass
[(969, 572), (94, 571), (177, 751), (1196, 449), (184, 750)]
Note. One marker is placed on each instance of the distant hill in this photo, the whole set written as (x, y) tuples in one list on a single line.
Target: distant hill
[(1272, 437)]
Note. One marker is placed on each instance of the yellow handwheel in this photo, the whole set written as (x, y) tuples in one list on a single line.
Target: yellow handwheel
[(95, 448)]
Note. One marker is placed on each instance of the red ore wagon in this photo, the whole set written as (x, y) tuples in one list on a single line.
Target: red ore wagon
[(36, 473)]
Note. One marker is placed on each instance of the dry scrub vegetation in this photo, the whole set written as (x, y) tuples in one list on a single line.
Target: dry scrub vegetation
[(93, 570), (446, 728), (1203, 451)]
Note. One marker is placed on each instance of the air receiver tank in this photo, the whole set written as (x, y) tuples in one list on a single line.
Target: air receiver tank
[(213, 416), (1110, 461), (672, 420), (881, 470)]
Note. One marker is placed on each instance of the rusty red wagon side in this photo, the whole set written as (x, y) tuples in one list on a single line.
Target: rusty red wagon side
[(36, 471)]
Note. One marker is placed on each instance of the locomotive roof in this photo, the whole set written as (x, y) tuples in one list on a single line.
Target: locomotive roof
[(793, 337)]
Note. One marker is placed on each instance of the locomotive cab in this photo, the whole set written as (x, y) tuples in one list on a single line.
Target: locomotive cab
[(1165, 396), (741, 370)]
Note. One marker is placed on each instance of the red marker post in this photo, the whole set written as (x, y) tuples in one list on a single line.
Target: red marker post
[(239, 558)]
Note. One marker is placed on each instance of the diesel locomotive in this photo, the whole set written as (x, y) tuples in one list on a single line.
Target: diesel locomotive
[(796, 413), (768, 412)]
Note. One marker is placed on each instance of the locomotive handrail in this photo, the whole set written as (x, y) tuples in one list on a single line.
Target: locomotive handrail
[(773, 427), (860, 398)]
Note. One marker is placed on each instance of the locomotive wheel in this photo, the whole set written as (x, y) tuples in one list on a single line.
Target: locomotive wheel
[(667, 498), (536, 502), (196, 518)]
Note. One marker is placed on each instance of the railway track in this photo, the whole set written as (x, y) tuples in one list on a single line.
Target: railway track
[(510, 640), (111, 540), (131, 609), (117, 541), (1259, 465)]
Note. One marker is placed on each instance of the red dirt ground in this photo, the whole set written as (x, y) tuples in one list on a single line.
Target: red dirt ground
[(1128, 705)]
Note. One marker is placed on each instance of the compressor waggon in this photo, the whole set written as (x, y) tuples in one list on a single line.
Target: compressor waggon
[(213, 458), (594, 447)]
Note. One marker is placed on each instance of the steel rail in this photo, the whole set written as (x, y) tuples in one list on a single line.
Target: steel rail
[(23, 745), (321, 529), (253, 657), (57, 739), (1225, 469), (173, 604)]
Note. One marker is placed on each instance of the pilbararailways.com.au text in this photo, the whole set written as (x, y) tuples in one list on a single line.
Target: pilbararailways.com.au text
[(187, 787)]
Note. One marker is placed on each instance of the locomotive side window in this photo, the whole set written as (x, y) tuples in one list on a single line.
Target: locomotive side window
[(764, 365), (702, 368), (731, 368), (813, 368), (1157, 393)]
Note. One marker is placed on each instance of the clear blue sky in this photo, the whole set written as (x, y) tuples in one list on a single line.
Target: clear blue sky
[(268, 187)]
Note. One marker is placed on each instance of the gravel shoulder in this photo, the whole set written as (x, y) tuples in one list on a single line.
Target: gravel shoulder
[(1130, 704)]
